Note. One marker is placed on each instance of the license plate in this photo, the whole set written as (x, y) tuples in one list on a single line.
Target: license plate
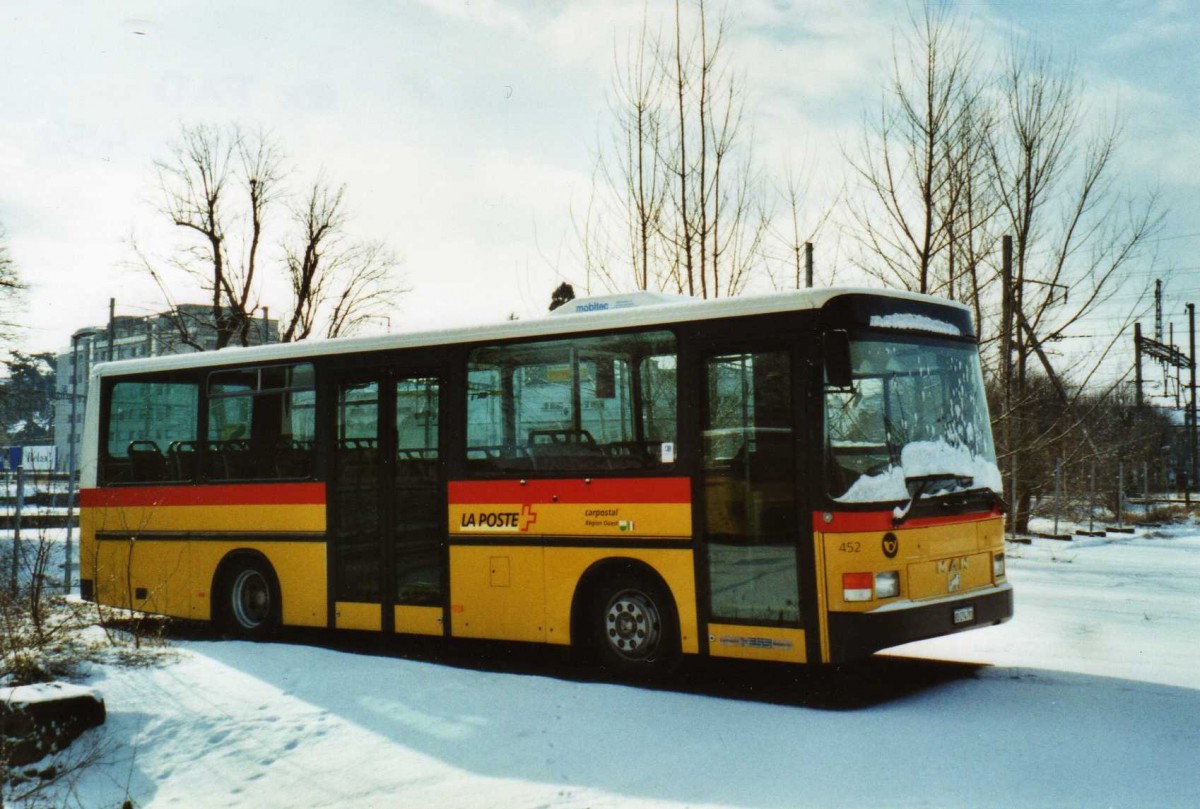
[(964, 615)]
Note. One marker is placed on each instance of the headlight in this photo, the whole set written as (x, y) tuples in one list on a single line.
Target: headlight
[(998, 566), (887, 584)]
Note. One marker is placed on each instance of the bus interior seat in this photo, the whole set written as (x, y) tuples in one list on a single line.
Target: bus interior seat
[(357, 461), (146, 461), (552, 449), (629, 454), (560, 437), (238, 459), (293, 458), (417, 464), (181, 460)]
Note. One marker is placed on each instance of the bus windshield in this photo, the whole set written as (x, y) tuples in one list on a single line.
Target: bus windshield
[(912, 424)]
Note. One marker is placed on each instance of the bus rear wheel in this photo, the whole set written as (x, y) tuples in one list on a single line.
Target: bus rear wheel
[(635, 630), (250, 599)]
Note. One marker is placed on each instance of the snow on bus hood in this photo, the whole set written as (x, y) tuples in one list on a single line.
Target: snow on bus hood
[(924, 458)]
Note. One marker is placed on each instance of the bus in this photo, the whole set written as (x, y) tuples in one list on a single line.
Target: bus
[(804, 477)]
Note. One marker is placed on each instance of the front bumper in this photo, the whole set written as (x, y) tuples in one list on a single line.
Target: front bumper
[(857, 634)]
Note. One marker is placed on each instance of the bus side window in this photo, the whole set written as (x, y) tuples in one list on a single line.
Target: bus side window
[(585, 405), (144, 418), (261, 423)]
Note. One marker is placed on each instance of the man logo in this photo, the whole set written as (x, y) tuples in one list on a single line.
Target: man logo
[(954, 581), (891, 545)]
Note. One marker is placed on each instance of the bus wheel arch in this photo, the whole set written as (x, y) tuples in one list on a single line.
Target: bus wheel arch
[(246, 595), (624, 616)]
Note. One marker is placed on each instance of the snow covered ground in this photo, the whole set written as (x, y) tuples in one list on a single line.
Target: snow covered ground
[(1089, 697)]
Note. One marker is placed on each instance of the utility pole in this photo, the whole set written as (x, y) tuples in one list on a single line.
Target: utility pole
[(112, 327), (1167, 371), (1191, 307), (1158, 334), (71, 460), (1006, 371), (1168, 355), (1137, 361), (808, 265)]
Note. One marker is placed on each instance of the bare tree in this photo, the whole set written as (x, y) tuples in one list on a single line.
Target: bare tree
[(968, 212), (199, 194), (11, 288), (221, 186), (919, 158), (957, 157), (1075, 231), (678, 172), (1076, 235), (628, 183), (342, 282), (798, 231), (639, 131), (718, 198)]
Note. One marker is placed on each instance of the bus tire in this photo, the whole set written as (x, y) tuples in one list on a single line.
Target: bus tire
[(249, 598), (635, 628)]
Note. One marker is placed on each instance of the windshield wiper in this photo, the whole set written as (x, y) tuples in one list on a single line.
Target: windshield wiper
[(888, 432), (950, 483)]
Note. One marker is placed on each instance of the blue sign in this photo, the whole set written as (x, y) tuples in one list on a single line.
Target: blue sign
[(10, 458)]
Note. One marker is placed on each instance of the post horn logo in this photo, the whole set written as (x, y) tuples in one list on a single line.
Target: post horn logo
[(891, 545)]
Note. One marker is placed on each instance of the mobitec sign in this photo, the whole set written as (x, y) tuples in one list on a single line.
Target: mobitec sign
[(604, 306), (33, 459)]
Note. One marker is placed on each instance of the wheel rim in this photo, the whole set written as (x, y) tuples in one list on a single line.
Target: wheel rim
[(250, 598), (632, 624)]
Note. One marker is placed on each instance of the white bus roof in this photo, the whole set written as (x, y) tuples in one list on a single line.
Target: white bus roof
[(645, 309)]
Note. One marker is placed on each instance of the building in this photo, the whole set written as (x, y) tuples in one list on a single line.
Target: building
[(129, 337)]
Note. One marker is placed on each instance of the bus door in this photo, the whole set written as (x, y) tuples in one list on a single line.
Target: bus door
[(387, 502), (750, 524)]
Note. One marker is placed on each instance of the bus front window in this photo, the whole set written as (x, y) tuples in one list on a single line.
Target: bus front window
[(914, 422)]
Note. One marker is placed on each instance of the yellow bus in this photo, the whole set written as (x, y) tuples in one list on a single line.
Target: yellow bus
[(804, 477)]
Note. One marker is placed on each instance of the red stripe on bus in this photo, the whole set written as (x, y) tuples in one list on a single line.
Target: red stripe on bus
[(572, 490), (238, 494), (850, 522)]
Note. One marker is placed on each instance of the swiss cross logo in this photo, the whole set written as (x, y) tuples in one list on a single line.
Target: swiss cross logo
[(528, 517)]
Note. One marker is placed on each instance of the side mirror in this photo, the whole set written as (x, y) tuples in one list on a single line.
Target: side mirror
[(836, 351)]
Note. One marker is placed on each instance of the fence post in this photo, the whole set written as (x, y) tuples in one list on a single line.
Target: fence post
[(1120, 492), (1057, 492), (16, 541), (69, 550), (1092, 498)]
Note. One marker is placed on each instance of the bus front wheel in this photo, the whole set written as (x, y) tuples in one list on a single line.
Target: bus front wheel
[(635, 631), (250, 599)]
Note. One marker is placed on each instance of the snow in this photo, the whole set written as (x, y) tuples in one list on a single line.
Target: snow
[(43, 692), (915, 323), (1087, 698), (919, 458)]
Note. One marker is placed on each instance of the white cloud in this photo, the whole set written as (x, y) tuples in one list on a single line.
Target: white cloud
[(1149, 23), (490, 13)]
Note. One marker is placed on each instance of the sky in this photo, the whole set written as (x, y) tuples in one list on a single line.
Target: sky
[(466, 130)]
